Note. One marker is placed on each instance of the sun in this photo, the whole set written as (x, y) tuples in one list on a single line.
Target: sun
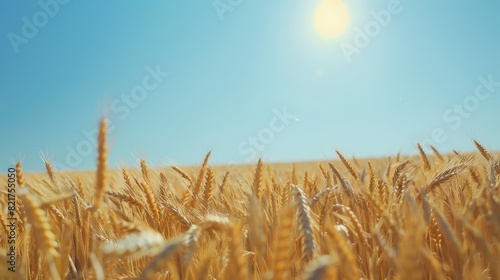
[(331, 18)]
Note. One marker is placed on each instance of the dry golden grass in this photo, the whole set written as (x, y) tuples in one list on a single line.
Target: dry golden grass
[(425, 217)]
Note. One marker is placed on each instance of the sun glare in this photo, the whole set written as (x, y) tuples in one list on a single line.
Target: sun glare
[(331, 18)]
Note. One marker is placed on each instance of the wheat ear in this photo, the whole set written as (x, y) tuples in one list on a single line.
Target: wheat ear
[(305, 224), (208, 188), (135, 245), (145, 171), (354, 221), (42, 232), (183, 174), (215, 222), (126, 178), (349, 167), (437, 154), (50, 171), (425, 160), (257, 180), (102, 165), (482, 150), (125, 197), (346, 187), (223, 184), (19, 174), (445, 176), (153, 206), (199, 180)]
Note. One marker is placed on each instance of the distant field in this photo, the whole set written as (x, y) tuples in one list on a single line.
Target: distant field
[(428, 217)]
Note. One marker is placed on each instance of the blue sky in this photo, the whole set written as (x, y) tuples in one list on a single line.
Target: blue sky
[(178, 79)]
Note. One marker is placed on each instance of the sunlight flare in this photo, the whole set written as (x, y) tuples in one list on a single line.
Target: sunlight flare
[(331, 18)]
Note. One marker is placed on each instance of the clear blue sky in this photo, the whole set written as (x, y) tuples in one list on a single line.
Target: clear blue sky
[(229, 73)]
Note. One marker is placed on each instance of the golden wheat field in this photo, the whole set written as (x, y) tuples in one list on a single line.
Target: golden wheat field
[(432, 216)]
